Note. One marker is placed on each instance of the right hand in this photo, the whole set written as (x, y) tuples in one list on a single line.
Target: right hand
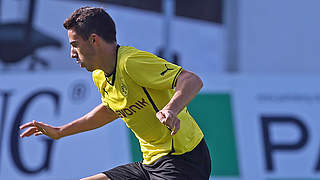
[(39, 128), (169, 119)]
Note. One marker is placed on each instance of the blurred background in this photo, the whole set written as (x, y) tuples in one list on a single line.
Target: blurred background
[(259, 107)]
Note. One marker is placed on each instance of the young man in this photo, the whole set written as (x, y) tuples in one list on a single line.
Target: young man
[(147, 92)]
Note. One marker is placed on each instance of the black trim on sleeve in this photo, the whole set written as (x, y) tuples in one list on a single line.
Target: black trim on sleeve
[(175, 78)]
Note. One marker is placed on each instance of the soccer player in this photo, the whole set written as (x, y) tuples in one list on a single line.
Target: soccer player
[(148, 93)]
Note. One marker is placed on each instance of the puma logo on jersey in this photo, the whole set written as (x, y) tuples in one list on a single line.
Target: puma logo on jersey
[(162, 74), (139, 105)]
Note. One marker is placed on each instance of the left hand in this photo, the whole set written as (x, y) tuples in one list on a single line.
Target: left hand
[(169, 118), (39, 128)]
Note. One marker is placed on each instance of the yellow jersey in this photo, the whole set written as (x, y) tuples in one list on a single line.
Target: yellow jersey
[(141, 85)]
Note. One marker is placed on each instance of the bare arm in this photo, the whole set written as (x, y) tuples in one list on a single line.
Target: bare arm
[(187, 87), (96, 118)]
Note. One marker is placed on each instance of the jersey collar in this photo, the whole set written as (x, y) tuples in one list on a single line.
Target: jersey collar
[(113, 74)]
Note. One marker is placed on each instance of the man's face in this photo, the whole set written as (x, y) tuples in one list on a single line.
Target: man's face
[(82, 51)]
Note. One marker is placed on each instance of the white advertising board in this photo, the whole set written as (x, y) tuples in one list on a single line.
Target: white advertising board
[(276, 120), (55, 99), (275, 123)]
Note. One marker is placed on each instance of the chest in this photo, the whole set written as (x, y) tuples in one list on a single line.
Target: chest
[(125, 97)]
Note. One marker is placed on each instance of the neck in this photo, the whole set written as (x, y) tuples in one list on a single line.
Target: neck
[(108, 58)]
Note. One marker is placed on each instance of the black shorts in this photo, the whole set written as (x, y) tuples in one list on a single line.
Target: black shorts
[(193, 165)]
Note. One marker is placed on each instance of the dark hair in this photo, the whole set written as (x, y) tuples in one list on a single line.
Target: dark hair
[(88, 20)]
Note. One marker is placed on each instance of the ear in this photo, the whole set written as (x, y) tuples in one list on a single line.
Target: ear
[(93, 38)]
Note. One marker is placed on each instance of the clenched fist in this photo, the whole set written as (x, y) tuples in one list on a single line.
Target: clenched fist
[(169, 119)]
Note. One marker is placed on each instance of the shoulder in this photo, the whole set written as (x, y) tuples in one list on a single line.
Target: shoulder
[(125, 52), (139, 58), (128, 53), (97, 76), (97, 73)]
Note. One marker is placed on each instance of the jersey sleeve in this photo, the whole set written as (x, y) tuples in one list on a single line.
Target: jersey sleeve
[(150, 71), (104, 102)]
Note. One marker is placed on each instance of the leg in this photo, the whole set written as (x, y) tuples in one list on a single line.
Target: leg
[(194, 165), (99, 176), (132, 171)]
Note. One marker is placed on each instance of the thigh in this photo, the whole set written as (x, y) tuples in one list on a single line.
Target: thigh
[(168, 169), (194, 165), (132, 171)]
